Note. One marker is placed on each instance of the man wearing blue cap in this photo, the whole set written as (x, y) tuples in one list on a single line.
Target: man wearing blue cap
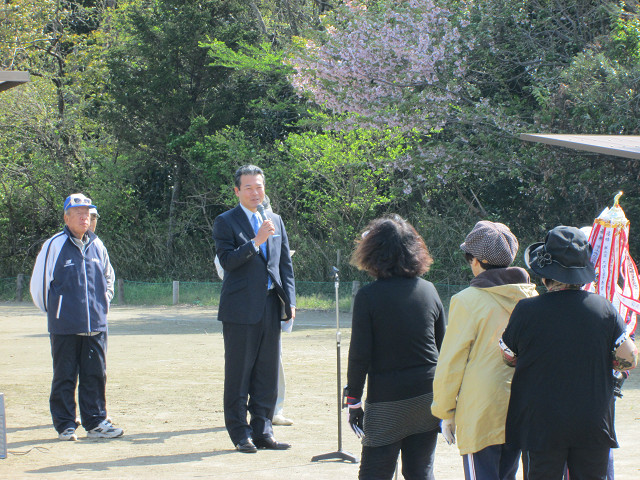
[(72, 282)]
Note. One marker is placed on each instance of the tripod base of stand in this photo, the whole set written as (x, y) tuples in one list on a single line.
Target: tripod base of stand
[(339, 455)]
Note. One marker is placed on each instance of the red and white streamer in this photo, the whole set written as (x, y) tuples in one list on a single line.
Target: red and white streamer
[(616, 272)]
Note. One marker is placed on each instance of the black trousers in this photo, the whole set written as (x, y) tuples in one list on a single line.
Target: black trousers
[(379, 463), (251, 356), (583, 463), (78, 360)]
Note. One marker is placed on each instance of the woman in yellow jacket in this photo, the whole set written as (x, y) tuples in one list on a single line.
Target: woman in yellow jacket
[(472, 384)]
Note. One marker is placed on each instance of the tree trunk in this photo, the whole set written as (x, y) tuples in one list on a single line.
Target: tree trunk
[(173, 206), (258, 15)]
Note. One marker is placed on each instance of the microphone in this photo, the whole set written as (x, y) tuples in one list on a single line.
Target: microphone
[(264, 216), (261, 212)]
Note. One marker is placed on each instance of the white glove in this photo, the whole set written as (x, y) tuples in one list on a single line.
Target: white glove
[(449, 430), (287, 326)]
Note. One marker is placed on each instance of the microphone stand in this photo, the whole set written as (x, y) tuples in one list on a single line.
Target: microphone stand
[(339, 454)]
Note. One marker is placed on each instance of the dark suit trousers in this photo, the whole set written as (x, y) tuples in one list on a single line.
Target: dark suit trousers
[(251, 354)]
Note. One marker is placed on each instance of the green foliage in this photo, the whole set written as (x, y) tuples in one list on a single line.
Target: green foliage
[(330, 185), (148, 107), (625, 38), (599, 95), (184, 124), (522, 47), (259, 58)]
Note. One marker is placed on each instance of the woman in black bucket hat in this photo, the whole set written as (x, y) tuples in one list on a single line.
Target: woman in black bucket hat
[(564, 256), (564, 345)]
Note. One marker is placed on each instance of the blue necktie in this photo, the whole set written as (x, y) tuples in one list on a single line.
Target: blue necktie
[(255, 223)]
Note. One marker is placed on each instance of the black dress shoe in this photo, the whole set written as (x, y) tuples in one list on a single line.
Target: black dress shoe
[(246, 446), (270, 443)]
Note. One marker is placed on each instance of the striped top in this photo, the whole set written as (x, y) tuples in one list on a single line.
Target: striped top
[(389, 422)]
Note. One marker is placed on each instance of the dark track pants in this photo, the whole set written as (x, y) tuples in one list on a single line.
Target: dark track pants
[(496, 462), (78, 360), (251, 356)]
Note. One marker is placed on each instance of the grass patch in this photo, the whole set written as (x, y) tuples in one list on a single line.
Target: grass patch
[(310, 295), (191, 293), (320, 302)]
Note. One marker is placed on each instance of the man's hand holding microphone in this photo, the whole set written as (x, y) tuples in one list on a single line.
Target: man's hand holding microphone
[(270, 228), (264, 232)]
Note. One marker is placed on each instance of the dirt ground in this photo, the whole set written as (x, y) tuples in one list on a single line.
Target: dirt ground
[(165, 367)]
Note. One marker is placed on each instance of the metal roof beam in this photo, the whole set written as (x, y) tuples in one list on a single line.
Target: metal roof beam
[(627, 146), (10, 79)]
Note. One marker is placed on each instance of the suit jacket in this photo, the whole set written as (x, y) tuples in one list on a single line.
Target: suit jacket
[(244, 288)]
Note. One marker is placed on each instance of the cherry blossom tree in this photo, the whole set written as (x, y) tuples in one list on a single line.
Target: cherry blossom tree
[(390, 63)]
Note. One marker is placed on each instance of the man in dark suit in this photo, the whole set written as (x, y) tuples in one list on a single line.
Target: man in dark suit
[(258, 291)]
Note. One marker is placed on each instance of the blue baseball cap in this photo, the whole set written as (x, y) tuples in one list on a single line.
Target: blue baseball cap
[(77, 200)]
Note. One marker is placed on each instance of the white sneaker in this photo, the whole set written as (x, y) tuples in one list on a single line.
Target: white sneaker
[(105, 430), (281, 420), (69, 434)]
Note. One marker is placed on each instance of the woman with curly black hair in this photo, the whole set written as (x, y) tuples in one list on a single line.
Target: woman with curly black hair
[(397, 328)]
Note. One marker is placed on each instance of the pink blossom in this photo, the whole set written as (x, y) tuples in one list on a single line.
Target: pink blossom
[(399, 66)]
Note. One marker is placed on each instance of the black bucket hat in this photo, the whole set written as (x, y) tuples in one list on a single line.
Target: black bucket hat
[(564, 256)]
